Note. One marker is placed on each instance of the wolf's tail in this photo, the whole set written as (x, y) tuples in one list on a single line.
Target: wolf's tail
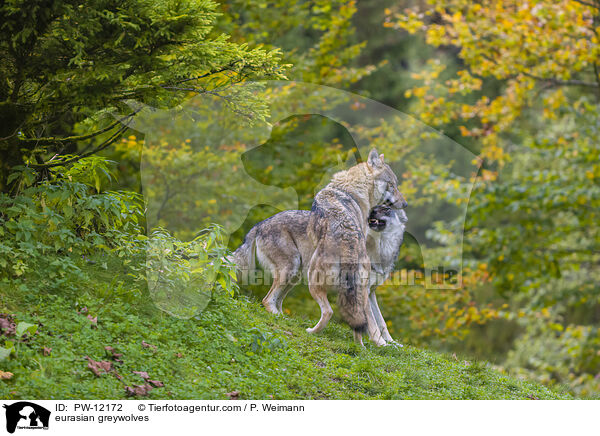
[(245, 256), (351, 301)]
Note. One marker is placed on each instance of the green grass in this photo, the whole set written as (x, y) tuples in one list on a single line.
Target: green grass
[(233, 345)]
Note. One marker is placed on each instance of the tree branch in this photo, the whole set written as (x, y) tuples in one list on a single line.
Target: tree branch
[(210, 73), (591, 5), (559, 82), (53, 140), (100, 147)]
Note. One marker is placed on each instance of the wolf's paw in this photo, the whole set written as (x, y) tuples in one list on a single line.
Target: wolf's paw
[(311, 330), (394, 344), (271, 308)]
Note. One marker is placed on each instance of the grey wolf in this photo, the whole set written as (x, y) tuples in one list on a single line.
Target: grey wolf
[(328, 245), (384, 238)]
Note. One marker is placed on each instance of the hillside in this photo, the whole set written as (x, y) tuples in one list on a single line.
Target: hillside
[(231, 349)]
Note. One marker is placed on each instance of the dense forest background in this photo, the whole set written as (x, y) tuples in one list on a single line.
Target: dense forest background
[(90, 180)]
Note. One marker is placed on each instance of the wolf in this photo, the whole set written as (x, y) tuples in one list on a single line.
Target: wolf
[(328, 245), (384, 239)]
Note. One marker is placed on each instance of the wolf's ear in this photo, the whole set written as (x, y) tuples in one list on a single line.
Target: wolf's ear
[(374, 160)]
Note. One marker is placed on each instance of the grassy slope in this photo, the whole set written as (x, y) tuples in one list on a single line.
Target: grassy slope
[(217, 357)]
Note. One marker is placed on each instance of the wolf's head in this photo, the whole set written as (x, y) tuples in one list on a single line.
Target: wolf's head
[(385, 182), (378, 217), (383, 217)]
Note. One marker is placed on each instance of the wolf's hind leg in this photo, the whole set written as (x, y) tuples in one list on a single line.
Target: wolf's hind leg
[(270, 300), (282, 294), (358, 338), (283, 282), (291, 280), (326, 311), (282, 260), (372, 329), (319, 293)]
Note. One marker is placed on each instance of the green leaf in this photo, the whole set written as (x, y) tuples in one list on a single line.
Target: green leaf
[(97, 182), (7, 350), (25, 327)]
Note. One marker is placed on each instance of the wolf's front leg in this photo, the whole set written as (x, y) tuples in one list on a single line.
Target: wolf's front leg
[(373, 330), (374, 306), (372, 327)]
